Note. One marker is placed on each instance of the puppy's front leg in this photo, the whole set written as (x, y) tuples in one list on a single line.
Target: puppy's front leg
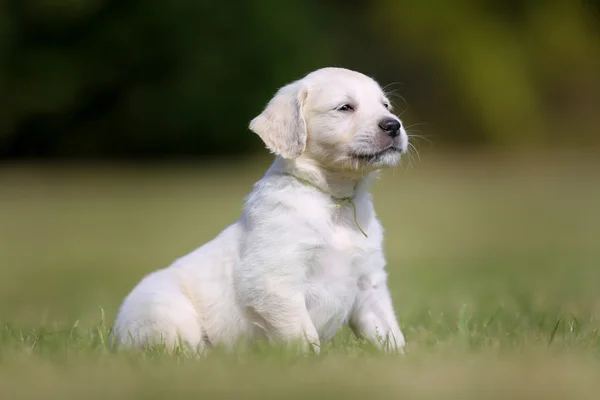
[(373, 316), (285, 319), (270, 280)]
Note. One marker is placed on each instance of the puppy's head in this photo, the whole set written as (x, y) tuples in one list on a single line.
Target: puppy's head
[(336, 117)]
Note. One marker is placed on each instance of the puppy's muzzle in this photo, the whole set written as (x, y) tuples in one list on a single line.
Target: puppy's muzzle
[(390, 126)]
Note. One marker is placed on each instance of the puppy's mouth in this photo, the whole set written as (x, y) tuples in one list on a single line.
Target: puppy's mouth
[(376, 156)]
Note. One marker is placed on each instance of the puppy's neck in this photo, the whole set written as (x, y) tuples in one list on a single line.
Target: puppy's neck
[(338, 184)]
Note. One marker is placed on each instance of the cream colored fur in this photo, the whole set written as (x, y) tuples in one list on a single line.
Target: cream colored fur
[(295, 267)]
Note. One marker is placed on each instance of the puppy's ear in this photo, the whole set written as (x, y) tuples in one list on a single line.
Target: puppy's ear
[(281, 125)]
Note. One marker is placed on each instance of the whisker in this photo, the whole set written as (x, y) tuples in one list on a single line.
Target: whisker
[(416, 124), (390, 84), (412, 146), (405, 110), (394, 94), (410, 135), (409, 164)]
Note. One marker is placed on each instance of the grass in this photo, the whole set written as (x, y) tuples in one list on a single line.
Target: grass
[(494, 265)]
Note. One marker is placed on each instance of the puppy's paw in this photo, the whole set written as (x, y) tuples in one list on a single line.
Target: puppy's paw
[(393, 343)]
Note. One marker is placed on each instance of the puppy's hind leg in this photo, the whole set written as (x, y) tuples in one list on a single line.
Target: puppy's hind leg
[(158, 313)]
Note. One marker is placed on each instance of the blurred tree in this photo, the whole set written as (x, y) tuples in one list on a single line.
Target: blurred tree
[(516, 72), (148, 78)]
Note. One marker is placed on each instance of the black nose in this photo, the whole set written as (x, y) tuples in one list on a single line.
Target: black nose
[(391, 126)]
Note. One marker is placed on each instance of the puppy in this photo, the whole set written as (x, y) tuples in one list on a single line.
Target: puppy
[(306, 256)]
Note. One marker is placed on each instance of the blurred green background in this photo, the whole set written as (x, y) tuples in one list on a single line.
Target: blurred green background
[(124, 145), (155, 79)]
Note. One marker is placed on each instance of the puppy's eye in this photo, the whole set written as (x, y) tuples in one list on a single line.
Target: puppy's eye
[(387, 106), (345, 107)]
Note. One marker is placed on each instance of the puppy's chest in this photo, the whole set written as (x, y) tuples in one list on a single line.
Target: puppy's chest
[(332, 279), (342, 256)]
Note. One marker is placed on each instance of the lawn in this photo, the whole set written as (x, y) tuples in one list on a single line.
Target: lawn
[(494, 264)]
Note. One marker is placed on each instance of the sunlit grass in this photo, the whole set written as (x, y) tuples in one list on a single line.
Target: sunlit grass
[(494, 266)]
